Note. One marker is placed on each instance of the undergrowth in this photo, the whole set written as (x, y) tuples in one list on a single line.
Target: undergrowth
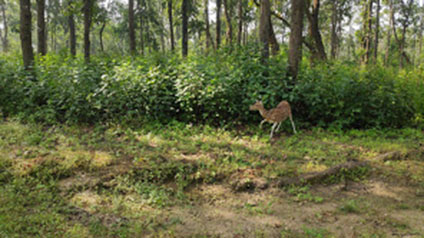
[(215, 89)]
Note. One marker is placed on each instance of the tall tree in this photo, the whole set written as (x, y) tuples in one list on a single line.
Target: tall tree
[(184, 41), (25, 33), (377, 30), (228, 20), (318, 51), (131, 26), (240, 21), (4, 35), (209, 40), (296, 39), (71, 25), (389, 33), (367, 30), (218, 23), (41, 27), (141, 11), (87, 9), (334, 21), (171, 25), (101, 19), (406, 17), (264, 28)]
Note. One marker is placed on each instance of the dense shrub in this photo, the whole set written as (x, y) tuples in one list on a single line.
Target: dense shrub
[(217, 88)]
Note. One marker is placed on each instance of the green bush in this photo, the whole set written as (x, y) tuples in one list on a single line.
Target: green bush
[(217, 88)]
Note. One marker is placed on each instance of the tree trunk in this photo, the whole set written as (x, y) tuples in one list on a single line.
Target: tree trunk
[(25, 33), (318, 51), (296, 39), (140, 7), (240, 22), (275, 48), (72, 35), (171, 26), (420, 42), (87, 9), (334, 38), (185, 28), (5, 40), (218, 23), (389, 34), (229, 25), (367, 31), (131, 26), (101, 36), (264, 28), (41, 27), (402, 47), (209, 40), (400, 42), (377, 29), (245, 34)]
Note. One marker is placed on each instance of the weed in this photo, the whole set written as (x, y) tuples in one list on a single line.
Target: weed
[(303, 194), (350, 206)]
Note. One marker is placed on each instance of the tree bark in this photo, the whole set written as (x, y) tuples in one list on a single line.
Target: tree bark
[(318, 51), (264, 28), (240, 22), (131, 26), (72, 35), (295, 41), (4, 36), (229, 25), (25, 33), (171, 26), (185, 28), (41, 27), (377, 30), (87, 9), (218, 23)]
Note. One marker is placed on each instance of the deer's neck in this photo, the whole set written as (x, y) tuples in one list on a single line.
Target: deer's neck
[(263, 111)]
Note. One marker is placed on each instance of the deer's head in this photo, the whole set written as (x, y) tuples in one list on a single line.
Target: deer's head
[(258, 105)]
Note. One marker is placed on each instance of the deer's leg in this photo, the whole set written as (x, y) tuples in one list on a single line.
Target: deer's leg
[(278, 127), (262, 122), (294, 128), (272, 130)]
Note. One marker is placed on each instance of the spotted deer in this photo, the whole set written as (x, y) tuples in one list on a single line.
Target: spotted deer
[(276, 115)]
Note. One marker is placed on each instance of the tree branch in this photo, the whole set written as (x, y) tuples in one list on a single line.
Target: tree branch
[(285, 22)]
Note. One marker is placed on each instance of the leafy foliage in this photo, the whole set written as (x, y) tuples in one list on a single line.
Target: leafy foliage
[(216, 89)]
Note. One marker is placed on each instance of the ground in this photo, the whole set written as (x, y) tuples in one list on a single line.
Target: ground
[(181, 180)]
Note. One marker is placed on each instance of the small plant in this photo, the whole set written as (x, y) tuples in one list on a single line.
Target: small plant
[(315, 232), (303, 194), (350, 206)]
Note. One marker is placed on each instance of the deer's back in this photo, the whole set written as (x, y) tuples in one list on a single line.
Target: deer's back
[(280, 113)]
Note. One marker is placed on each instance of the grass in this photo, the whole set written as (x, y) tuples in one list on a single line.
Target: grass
[(121, 181)]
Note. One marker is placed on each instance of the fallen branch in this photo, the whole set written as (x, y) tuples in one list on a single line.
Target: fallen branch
[(315, 177)]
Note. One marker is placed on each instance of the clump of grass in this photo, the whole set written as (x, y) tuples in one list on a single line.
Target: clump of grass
[(350, 206)]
